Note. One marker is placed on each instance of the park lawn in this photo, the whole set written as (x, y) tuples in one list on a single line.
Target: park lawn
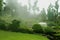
[(5, 35)]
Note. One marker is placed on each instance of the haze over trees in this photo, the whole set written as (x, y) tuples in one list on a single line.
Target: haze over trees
[(18, 17)]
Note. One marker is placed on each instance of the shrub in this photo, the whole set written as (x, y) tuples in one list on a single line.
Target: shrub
[(14, 26), (49, 30), (23, 30), (2, 25), (51, 24), (57, 27), (37, 28)]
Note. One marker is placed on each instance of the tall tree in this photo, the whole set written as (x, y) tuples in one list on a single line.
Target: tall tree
[(53, 13), (1, 6), (56, 11), (56, 6), (43, 15), (50, 13), (34, 7)]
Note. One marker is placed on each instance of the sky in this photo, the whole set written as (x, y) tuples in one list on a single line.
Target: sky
[(41, 4)]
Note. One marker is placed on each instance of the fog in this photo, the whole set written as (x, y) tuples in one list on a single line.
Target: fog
[(32, 4), (28, 10)]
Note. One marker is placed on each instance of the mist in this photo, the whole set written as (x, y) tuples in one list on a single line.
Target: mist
[(27, 10)]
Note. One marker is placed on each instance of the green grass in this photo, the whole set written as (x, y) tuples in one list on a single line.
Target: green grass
[(4, 35)]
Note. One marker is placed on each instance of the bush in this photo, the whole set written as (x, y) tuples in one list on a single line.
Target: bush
[(49, 30), (37, 28), (14, 26), (51, 33), (57, 27), (25, 30), (2, 25), (51, 24)]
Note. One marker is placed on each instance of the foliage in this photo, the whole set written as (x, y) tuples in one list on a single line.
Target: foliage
[(49, 30), (1, 5), (51, 23), (25, 30), (43, 15), (53, 33), (57, 28), (2, 25), (14, 26), (56, 6), (50, 14), (53, 13), (37, 28)]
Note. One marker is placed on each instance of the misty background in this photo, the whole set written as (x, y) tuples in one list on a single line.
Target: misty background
[(29, 12)]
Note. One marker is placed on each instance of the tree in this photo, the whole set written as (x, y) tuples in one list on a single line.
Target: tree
[(43, 15), (14, 26), (58, 18), (56, 6), (2, 25), (53, 13), (50, 15), (34, 7), (56, 11), (1, 6), (37, 28), (50, 12)]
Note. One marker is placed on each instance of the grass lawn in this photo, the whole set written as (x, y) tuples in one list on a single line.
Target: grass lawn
[(4, 35)]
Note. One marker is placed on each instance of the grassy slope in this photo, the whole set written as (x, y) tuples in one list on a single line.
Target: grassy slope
[(4, 35)]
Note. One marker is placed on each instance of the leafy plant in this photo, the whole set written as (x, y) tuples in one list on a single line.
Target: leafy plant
[(14, 26), (37, 28), (2, 25)]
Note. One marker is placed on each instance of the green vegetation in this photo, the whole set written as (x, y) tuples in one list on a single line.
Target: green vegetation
[(16, 19), (37, 28), (53, 14), (1, 7), (2, 25), (14, 26), (4, 35)]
